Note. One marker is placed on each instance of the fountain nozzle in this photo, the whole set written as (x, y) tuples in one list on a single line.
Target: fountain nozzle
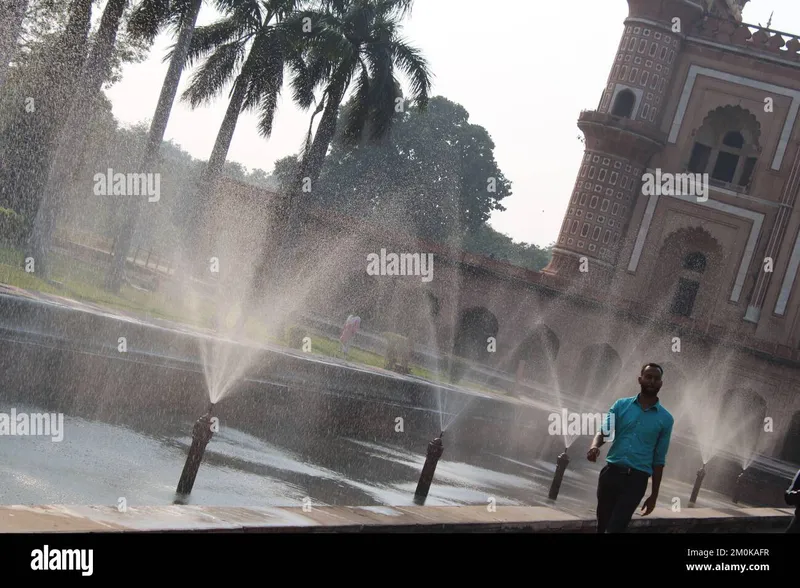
[(435, 450), (737, 491), (201, 435), (701, 473), (561, 466)]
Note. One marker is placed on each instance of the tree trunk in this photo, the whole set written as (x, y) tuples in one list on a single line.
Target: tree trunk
[(311, 166), (158, 127), (308, 173), (12, 13), (63, 62), (68, 149), (194, 234)]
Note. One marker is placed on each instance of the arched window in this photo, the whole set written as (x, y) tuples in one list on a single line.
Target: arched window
[(683, 302), (686, 294), (623, 104), (695, 262), (726, 146)]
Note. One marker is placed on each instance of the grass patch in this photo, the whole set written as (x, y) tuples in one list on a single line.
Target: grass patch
[(83, 281)]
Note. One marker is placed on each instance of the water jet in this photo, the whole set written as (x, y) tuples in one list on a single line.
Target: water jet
[(435, 450), (201, 435), (701, 473), (561, 466)]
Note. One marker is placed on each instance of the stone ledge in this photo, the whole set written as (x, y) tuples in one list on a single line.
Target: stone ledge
[(339, 519)]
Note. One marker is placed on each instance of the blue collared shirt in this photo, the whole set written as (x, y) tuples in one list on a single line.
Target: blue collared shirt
[(640, 437)]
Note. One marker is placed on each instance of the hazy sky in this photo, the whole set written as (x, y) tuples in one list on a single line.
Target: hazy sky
[(523, 69)]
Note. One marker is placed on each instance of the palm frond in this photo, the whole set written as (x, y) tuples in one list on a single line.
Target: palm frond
[(358, 110), (393, 9), (263, 76), (148, 18), (410, 61), (218, 70), (208, 38)]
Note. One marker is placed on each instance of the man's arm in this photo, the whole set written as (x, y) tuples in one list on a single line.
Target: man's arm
[(658, 471), (660, 458), (599, 439)]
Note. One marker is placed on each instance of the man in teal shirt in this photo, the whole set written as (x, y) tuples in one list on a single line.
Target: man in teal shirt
[(641, 429)]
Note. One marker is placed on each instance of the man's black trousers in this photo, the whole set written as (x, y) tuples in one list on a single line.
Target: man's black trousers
[(619, 493)]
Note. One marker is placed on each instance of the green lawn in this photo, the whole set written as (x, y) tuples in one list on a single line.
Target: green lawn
[(82, 281)]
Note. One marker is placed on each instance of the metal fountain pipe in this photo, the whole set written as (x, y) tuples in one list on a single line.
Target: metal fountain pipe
[(201, 435), (701, 473), (561, 466), (435, 450), (737, 491)]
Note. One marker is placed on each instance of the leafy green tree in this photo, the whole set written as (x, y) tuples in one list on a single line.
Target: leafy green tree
[(37, 93), (435, 172), (97, 69), (12, 13), (355, 42)]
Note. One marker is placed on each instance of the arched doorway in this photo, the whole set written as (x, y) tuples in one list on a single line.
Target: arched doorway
[(791, 443), (742, 421), (684, 282), (539, 351), (673, 395), (597, 368), (472, 337)]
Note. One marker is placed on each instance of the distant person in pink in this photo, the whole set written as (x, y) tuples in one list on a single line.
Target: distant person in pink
[(351, 326)]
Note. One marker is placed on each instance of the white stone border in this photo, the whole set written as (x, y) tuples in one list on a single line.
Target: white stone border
[(788, 279), (696, 70), (756, 217)]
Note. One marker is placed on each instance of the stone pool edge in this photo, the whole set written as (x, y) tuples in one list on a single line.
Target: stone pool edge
[(383, 519)]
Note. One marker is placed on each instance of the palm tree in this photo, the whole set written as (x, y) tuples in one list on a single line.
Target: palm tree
[(256, 39), (357, 41), (12, 13), (351, 40), (147, 21), (68, 148)]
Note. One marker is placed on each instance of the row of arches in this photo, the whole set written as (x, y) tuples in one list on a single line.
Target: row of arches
[(734, 419), (597, 368)]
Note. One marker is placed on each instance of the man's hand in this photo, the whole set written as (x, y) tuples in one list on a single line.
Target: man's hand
[(593, 453), (649, 505)]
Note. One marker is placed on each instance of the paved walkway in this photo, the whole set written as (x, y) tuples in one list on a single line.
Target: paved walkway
[(71, 519)]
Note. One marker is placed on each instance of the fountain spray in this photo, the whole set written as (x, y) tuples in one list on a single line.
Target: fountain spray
[(701, 473), (435, 450), (561, 466), (201, 435), (737, 491)]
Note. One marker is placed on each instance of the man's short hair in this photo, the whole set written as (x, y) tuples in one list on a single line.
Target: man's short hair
[(655, 365)]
